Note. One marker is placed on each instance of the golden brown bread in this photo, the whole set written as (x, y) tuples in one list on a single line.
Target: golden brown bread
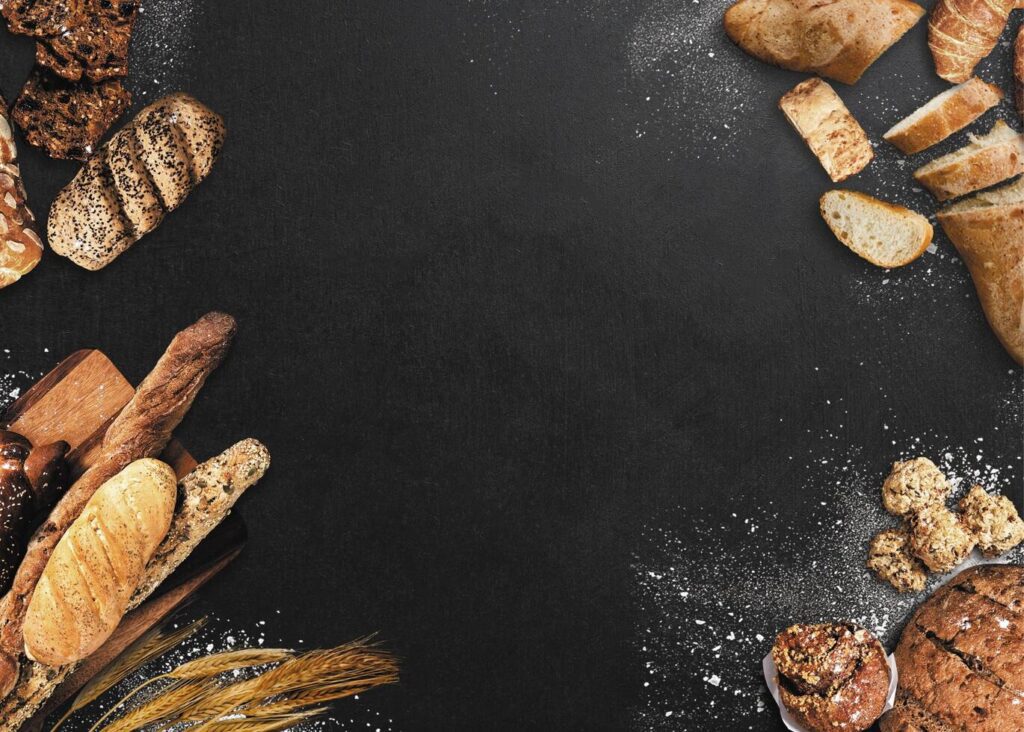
[(146, 170), (960, 657), (985, 161), (20, 246), (1018, 71), (839, 39), (988, 231), (99, 562), (949, 112), (963, 32), (834, 136), (142, 429)]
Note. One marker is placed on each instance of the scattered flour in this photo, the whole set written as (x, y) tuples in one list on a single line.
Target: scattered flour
[(162, 43)]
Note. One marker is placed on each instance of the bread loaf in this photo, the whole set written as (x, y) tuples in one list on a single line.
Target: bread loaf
[(988, 231), (839, 39), (983, 162), (963, 32), (828, 128), (949, 112), (142, 429), (960, 657), (96, 567), (146, 170), (883, 233), (20, 246)]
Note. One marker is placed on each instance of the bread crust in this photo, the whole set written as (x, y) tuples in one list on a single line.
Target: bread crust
[(833, 134), (925, 227), (961, 106), (20, 245), (142, 429), (838, 39), (955, 175), (960, 657), (1018, 71), (963, 32), (990, 240)]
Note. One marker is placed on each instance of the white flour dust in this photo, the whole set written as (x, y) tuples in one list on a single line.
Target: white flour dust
[(712, 596), (162, 47), (13, 382)]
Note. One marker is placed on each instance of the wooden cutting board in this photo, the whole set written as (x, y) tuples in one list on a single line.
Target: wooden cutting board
[(76, 402)]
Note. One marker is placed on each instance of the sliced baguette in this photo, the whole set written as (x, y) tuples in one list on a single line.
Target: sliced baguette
[(950, 111), (984, 162), (834, 136), (988, 231), (882, 233)]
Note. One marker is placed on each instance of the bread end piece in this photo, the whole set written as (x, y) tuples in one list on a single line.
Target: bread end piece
[(883, 233)]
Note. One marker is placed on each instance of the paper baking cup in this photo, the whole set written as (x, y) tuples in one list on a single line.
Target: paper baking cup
[(771, 677)]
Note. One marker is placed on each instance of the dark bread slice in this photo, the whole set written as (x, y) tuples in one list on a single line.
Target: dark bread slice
[(86, 223), (40, 18), (68, 119), (162, 149), (134, 189), (202, 128), (907, 715), (96, 46)]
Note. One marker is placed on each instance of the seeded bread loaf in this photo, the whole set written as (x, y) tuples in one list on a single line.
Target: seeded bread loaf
[(146, 170), (960, 657)]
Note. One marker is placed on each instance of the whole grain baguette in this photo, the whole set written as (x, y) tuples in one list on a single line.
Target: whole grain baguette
[(834, 136), (208, 494), (142, 429), (983, 162), (949, 112)]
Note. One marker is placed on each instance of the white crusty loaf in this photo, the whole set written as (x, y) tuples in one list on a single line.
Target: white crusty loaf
[(146, 170), (983, 162), (828, 128), (96, 567), (988, 231), (949, 112), (882, 233), (839, 39)]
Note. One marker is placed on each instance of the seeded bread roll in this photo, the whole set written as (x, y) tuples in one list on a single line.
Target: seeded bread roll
[(147, 169)]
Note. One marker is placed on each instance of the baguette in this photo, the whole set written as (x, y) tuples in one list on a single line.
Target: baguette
[(86, 587), (142, 429), (838, 39), (828, 128), (983, 162), (882, 233), (209, 491), (988, 231), (963, 32), (145, 171), (949, 112)]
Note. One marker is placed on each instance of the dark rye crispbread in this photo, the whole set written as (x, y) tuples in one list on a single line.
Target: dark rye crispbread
[(68, 119), (40, 18), (961, 657), (833, 677), (95, 45)]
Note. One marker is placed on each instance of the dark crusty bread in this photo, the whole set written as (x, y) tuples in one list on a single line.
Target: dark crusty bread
[(40, 18), (833, 677), (95, 44), (68, 119), (147, 169), (142, 429), (961, 657)]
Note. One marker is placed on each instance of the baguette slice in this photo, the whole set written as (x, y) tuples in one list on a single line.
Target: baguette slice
[(949, 112), (988, 231), (882, 233), (828, 128), (983, 162), (97, 565)]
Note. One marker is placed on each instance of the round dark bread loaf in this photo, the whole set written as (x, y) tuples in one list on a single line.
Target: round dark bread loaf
[(961, 657), (832, 676)]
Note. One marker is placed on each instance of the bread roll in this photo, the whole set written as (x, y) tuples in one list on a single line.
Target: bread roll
[(94, 570), (146, 170)]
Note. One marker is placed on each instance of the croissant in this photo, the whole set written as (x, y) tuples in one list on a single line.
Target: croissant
[(963, 32)]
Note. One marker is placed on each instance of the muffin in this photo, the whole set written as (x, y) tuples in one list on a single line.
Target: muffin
[(832, 676), (993, 520), (939, 539), (914, 485), (889, 557)]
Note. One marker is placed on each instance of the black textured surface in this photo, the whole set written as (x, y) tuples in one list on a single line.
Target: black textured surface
[(489, 333)]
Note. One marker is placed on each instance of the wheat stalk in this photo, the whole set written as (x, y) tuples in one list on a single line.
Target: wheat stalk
[(149, 647), (160, 707), (219, 663)]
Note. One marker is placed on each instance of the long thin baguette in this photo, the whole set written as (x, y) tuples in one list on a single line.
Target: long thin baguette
[(142, 429), (949, 112), (209, 493)]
